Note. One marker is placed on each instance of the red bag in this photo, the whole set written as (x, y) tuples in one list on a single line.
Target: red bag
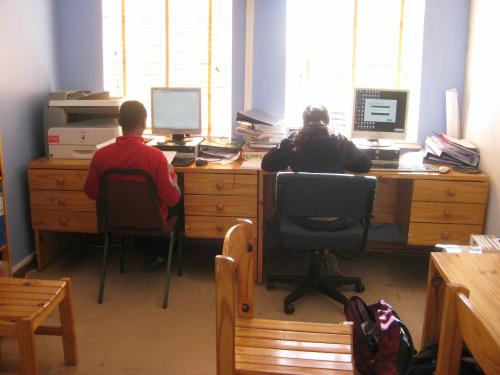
[(382, 343)]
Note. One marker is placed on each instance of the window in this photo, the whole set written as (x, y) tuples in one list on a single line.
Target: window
[(171, 43), (334, 46)]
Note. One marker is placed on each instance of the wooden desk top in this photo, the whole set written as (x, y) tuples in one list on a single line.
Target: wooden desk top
[(46, 163), (480, 274)]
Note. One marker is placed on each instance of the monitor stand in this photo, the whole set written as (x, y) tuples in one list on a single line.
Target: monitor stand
[(180, 139)]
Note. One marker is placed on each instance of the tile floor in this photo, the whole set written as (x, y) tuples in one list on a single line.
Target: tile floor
[(131, 334)]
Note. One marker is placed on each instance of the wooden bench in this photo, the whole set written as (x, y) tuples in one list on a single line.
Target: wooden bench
[(260, 346), (24, 305)]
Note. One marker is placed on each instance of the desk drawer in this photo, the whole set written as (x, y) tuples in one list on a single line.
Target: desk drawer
[(441, 212), (211, 226), (450, 191), (64, 221), (431, 234), (61, 200), (220, 183), (220, 205), (53, 179)]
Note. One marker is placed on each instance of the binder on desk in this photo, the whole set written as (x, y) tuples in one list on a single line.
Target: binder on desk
[(446, 149)]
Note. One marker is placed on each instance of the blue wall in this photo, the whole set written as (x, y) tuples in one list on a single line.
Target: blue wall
[(238, 63), (28, 67), (79, 42), (269, 57), (443, 61)]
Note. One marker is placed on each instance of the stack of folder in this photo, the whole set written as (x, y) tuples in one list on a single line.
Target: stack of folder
[(260, 131), (449, 150)]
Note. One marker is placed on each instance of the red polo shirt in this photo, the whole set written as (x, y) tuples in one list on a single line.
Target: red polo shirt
[(130, 152)]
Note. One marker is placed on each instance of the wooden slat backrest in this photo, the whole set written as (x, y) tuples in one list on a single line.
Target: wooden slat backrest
[(462, 323), (238, 246), (225, 304), (234, 287)]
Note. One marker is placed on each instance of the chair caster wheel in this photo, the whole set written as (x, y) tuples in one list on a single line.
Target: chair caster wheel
[(269, 286), (359, 288), (289, 309)]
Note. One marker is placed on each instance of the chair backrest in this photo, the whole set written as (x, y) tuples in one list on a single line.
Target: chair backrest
[(128, 201), (325, 195), (234, 280), (462, 323)]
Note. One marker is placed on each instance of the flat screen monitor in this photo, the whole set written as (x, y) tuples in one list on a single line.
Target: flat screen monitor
[(379, 114), (176, 111)]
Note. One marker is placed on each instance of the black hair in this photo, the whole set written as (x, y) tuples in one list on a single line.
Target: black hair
[(132, 114), (315, 115)]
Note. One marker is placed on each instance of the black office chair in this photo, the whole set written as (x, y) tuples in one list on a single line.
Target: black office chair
[(128, 206), (302, 199)]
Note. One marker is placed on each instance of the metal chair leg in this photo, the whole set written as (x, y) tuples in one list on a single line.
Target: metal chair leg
[(169, 268), (179, 255), (103, 268), (122, 254)]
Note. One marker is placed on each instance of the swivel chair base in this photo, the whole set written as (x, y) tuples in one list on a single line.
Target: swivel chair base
[(314, 282)]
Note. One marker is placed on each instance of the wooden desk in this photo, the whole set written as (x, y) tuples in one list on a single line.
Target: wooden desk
[(479, 273), (427, 207), (214, 197)]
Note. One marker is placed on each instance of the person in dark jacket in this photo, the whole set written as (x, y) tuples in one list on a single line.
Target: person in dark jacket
[(314, 149)]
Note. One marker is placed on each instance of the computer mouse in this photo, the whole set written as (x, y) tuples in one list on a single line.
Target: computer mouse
[(201, 162), (443, 169)]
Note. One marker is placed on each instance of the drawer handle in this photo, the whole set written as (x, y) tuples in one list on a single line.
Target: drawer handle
[(219, 206), (61, 201), (63, 221), (60, 180), (447, 213), (445, 235), (451, 192), (219, 228), (219, 185)]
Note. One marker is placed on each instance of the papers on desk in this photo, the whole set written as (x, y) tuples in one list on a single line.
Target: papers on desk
[(221, 160), (169, 155), (253, 163)]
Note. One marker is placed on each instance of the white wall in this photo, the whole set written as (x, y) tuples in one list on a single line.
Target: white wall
[(482, 97)]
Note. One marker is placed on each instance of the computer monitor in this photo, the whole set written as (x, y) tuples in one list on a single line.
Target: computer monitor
[(379, 114), (176, 111)]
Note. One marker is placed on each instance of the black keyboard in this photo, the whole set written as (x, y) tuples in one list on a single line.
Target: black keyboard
[(404, 167), (182, 161)]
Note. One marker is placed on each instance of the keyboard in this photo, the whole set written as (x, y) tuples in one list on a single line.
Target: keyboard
[(182, 161), (404, 167)]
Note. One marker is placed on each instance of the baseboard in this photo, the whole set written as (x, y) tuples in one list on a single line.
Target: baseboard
[(20, 267)]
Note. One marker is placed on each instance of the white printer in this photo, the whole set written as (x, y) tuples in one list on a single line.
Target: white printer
[(77, 122)]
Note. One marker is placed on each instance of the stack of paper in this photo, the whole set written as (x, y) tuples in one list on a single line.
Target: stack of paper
[(261, 131), (446, 149)]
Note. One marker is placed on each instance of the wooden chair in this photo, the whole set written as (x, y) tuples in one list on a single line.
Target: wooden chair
[(24, 304), (260, 346), (461, 323)]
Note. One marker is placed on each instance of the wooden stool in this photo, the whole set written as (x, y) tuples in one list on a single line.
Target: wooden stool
[(24, 304)]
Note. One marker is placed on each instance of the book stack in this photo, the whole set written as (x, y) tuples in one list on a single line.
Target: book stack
[(449, 150), (260, 131)]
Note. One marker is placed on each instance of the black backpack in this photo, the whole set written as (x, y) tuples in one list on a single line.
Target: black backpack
[(424, 363)]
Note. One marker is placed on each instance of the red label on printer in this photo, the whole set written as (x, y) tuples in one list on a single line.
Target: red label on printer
[(53, 139)]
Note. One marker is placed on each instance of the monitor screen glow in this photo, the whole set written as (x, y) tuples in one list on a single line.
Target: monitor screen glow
[(379, 113), (176, 110)]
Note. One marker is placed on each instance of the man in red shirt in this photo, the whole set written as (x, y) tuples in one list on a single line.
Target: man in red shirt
[(130, 152)]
